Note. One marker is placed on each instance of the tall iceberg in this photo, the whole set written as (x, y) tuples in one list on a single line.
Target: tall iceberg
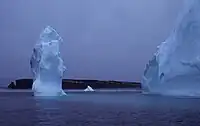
[(46, 64), (175, 67)]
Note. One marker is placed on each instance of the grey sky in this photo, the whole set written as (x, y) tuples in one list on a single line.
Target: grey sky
[(103, 39)]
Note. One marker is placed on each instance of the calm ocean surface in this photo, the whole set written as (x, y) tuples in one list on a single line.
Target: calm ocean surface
[(108, 108)]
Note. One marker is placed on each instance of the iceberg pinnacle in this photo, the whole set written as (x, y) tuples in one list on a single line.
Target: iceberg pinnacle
[(46, 65), (175, 67)]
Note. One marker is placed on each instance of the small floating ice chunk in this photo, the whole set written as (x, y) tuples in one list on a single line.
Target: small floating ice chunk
[(89, 89)]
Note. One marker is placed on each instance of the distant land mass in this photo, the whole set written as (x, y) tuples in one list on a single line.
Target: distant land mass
[(78, 84)]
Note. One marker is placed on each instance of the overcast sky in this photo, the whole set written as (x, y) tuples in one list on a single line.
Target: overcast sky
[(103, 39)]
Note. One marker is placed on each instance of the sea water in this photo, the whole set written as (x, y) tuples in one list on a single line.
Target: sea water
[(100, 108)]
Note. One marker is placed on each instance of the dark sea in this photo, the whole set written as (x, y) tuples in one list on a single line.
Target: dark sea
[(101, 108)]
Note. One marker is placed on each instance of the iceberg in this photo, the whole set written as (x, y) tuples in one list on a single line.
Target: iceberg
[(89, 89), (175, 67), (46, 65)]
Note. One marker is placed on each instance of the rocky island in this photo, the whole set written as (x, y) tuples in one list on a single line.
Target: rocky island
[(78, 84)]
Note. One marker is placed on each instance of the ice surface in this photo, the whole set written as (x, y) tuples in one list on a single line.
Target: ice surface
[(46, 64), (175, 67), (89, 89)]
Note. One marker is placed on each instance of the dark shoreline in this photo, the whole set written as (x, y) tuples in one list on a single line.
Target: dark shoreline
[(79, 84)]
